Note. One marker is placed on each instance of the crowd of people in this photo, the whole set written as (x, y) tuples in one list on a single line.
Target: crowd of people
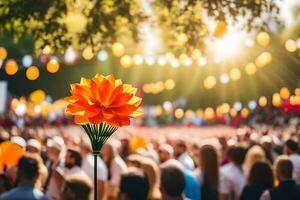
[(253, 163)]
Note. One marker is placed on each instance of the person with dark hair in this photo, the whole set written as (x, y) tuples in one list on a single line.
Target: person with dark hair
[(73, 161), (134, 185), (232, 179), (287, 188), (291, 149), (5, 184), (28, 172), (260, 178), (172, 180), (77, 188), (181, 154), (208, 172)]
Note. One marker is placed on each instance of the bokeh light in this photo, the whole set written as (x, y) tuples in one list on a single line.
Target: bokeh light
[(102, 55), (262, 101), (11, 67), (291, 45), (126, 61), (169, 84), (3, 53), (250, 68), (27, 60), (210, 82), (32, 73), (284, 93), (37, 96), (209, 113), (263, 59), (138, 59), (202, 61), (179, 113), (87, 53), (263, 38), (235, 74), (276, 100), (237, 106), (224, 78), (118, 49), (52, 66)]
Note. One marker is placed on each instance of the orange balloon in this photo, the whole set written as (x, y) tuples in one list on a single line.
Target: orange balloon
[(10, 153)]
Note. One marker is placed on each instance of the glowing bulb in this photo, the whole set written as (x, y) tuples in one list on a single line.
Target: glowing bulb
[(187, 62), (235, 74), (169, 84), (3, 53), (252, 104), (209, 113), (52, 66), (27, 60), (210, 82), (175, 63), (11, 67), (237, 106), (21, 109), (179, 113), (126, 61), (87, 53), (276, 100), (150, 60), (263, 38), (284, 93), (32, 73), (250, 68), (224, 78), (138, 59), (102, 55), (262, 101), (70, 56), (249, 42), (202, 61), (161, 60), (291, 45), (118, 49)]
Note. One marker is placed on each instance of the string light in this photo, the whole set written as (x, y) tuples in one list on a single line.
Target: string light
[(224, 78), (11, 67), (3, 53), (209, 113), (179, 113), (150, 60), (235, 74), (161, 60), (262, 101), (263, 38), (52, 66), (102, 55), (27, 60), (252, 104), (202, 61), (244, 113), (284, 93), (250, 68), (210, 82), (237, 106), (118, 49), (87, 53), (138, 59), (276, 100), (32, 73), (291, 45), (126, 61)]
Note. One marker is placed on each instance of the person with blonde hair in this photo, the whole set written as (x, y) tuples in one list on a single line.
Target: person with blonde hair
[(254, 154)]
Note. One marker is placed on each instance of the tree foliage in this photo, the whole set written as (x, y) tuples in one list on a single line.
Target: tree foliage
[(99, 23)]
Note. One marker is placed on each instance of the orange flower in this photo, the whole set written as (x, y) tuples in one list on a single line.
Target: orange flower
[(103, 99)]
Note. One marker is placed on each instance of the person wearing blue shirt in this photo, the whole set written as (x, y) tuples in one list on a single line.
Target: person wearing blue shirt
[(28, 172)]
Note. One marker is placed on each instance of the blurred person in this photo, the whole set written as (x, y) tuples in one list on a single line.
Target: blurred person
[(181, 154), (266, 143), (291, 149), (28, 172), (260, 178), (5, 184), (73, 162), (33, 146), (88, 167), (55, 147), (124, 148), (115, 167), (134, 185), (151, 169), (232, 178), (172, 180), (77, 188), (208, 172), (134, 160), (165, 152), (223, 150), (254, 154), (287, 188)]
